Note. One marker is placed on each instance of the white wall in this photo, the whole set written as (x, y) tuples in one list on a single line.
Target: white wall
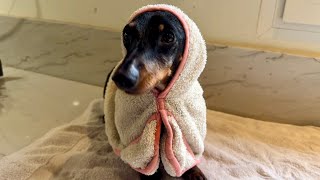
[(230, 22)]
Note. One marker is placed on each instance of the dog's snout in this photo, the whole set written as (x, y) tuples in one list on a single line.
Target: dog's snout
[(123, 81), (126, 79)]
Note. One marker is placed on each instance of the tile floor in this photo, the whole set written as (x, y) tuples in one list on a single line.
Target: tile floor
[(264, 85), (32, 103)]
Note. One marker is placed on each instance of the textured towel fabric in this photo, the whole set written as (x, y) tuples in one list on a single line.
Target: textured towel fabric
[(235, 148), (133, 123)]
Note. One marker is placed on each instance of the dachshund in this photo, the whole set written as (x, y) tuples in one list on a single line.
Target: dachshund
[(154, 43)]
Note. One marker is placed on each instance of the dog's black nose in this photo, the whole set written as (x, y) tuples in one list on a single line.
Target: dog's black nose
[(125, 81)]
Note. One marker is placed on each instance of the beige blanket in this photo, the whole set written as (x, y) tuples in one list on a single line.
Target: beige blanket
[(236, 148)]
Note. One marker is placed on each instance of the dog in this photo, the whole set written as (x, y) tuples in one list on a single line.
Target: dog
[(154, 43)]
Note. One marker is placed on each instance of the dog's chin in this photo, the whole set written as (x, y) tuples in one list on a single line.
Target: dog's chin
[(144, 88), (134, 92), (137, 91)]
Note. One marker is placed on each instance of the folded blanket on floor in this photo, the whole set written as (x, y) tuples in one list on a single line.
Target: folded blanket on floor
[(235, 148), (133, 123)]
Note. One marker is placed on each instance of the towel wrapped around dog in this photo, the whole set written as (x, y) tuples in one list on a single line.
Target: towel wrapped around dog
[(134, 122)]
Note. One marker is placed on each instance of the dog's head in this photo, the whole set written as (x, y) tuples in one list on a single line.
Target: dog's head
[(154, 42)]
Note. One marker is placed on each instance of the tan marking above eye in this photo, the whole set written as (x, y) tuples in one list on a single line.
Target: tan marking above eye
[(161, 27)]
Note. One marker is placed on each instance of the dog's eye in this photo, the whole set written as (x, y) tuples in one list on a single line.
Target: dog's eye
[(167, 37)]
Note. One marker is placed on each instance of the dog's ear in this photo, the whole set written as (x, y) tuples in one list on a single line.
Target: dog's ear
[(106, 83)]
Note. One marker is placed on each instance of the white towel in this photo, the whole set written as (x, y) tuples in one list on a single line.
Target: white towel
[(133, 123)]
